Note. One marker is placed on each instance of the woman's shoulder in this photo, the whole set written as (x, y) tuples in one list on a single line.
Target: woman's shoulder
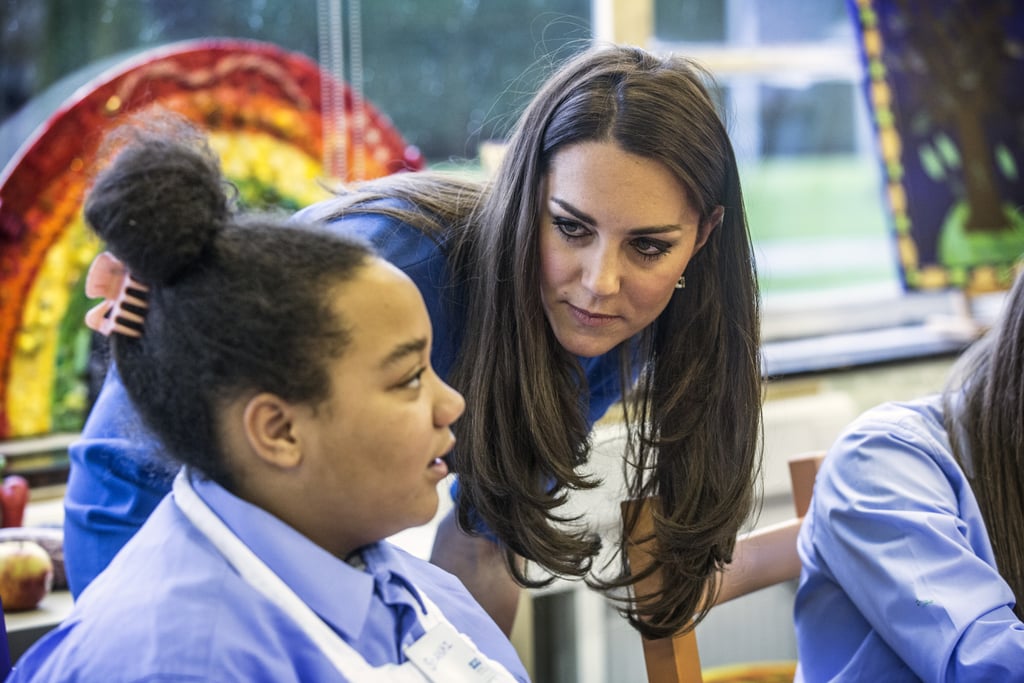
[(379, 222)]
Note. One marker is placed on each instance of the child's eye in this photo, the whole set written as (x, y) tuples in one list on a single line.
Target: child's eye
[(414, 381), (570, 229)]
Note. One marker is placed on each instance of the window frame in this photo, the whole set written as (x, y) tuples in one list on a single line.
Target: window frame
[(806, 333)]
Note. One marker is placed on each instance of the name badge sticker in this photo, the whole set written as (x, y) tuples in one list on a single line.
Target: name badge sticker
[(444, 655)]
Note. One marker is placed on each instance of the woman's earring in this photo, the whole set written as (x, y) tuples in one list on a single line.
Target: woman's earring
[(681, 284)]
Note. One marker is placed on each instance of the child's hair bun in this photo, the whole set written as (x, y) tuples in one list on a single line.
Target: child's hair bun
[(161, 200)]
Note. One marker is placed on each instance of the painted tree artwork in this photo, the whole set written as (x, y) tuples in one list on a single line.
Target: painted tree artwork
[(944, 80)]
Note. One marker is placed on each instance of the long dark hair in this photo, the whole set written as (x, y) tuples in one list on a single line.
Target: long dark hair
[(693, 417), (984, 416), (237, 302)]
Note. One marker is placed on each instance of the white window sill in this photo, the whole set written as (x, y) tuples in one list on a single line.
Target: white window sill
[(802, 335)]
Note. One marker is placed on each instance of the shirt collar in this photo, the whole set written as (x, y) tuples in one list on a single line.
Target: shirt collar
[(318, 578)]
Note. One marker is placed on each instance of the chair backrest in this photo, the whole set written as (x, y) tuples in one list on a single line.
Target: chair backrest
[(762, 558)]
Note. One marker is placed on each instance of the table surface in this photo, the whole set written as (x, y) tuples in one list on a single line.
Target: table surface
[(51, 611)]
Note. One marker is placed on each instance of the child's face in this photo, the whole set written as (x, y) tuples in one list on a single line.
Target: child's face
[(377, 441)]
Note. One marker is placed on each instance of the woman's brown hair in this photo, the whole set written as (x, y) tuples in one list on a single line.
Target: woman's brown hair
[(693, 414)]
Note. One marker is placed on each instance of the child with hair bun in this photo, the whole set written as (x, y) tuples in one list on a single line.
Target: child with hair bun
[(285, 370)]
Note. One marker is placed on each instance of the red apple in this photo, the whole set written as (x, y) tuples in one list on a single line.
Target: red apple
[(26, 575), (13, 499), (51, 538)]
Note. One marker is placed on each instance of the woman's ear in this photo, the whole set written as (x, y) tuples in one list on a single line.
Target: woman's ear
[(708, 226), (269, 425)]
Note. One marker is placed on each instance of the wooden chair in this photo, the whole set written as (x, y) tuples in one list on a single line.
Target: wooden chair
[(762, 558)]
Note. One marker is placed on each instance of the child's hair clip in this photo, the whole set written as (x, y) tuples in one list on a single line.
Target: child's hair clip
[(125, 303)]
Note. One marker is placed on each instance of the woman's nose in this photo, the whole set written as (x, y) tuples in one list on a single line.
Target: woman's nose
[(601, 272)]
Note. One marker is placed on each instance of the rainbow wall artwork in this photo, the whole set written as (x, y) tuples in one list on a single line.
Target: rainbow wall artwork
[(262, 108)]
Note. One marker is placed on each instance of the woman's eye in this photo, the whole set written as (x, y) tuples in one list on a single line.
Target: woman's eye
[(570, 229), (651, 249)]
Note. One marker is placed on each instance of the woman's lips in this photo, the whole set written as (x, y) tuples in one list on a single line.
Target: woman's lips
[(585, 317)]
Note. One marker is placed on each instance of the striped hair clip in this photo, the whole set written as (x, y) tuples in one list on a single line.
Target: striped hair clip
[(125, 299)]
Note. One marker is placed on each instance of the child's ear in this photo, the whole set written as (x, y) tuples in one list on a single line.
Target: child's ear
[(708, 226), (270, 428)]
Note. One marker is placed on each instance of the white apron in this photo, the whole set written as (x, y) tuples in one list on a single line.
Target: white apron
[(441, 655)]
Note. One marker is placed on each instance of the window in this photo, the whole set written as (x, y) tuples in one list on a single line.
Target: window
[(447, 72), (791, 86), (791, 93)]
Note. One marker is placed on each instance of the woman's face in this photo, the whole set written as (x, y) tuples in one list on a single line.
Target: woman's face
[(379, 438), (616, 232)]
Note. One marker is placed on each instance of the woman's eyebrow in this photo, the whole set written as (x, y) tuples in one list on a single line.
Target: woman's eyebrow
[(412, 347), (569, 208), (589, 220)]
